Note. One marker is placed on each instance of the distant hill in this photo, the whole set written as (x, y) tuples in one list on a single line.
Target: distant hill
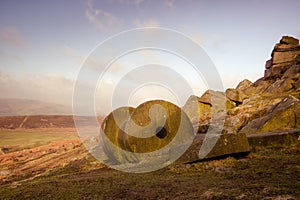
[(43, 121), (17, 107)]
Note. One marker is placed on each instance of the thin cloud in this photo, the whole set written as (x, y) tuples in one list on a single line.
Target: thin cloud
[(12, 37), (146, 23), (100, 19)]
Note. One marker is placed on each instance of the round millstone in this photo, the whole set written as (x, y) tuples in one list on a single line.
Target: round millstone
[(154, 128)]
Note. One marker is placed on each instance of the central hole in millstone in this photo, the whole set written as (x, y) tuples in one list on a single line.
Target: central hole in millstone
[(161, 132)]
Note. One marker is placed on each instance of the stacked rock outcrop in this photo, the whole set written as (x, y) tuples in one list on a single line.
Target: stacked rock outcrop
[(269, 104)]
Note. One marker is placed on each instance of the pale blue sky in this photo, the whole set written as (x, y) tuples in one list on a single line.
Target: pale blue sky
[(48, 40)]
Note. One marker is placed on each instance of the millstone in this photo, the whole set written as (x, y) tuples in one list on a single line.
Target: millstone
[(152, 126)]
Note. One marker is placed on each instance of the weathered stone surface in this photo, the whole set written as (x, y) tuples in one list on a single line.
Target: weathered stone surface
[(203, 128), (297, 59), (293, 72), (285, 52), (297, 85), (199, 113), (227, 144), (268, 64), (217, 100), (278, 71), (297, 114), (112, 128), (268, 72), (194, 103), (257, 87), (280, 120), (159, 122), (280, 117), (244, 84), (273, 139), (289, 40), (151, 127), (284, 58), (235, 95), (114, 123), (285, 47), (281, 86), (233, 124), (210, 95)]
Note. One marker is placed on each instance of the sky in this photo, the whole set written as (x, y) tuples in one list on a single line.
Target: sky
[(44, 44)]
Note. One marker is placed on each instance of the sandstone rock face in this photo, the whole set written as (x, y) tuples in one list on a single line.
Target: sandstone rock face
[(211, 103), (227, 144), (198, 112), (243, 85), (297, 59), (280, 116), (235, 95), (268, 64), (278, 138), (217, 100), (283, 54), (269, 104), (289, 40), (209, 95)]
